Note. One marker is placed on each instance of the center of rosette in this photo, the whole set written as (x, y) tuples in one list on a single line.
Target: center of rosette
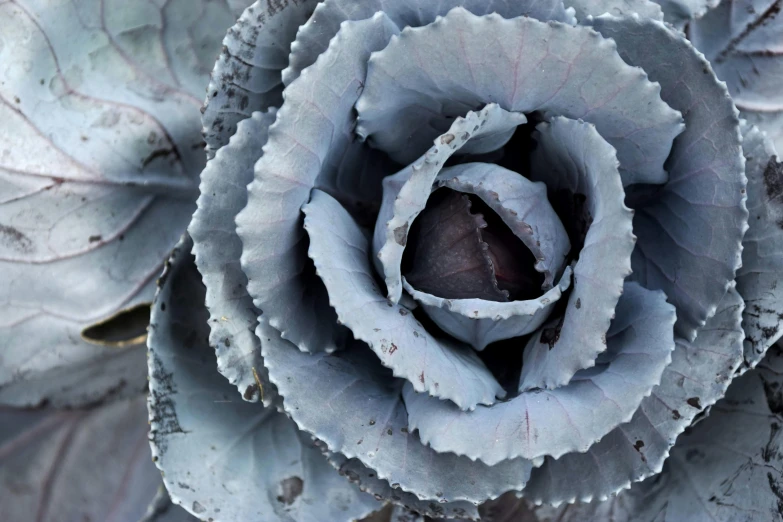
[(458, 248)]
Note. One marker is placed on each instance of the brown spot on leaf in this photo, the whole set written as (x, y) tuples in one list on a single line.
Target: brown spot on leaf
[(15, 239), (250, 392), (401, 235), (290, 489), (694, 403)]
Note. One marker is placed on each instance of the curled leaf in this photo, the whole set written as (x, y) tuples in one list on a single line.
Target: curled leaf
[(202, 433), (316, 123), (572, 417), (217, 248), (454, 72), (441, 367), (579, 166)]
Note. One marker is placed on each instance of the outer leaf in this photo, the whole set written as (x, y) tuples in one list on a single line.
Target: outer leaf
[(223, 458), (762, 255), (728, 468), (587, 8), (698, 376), (314, 36), (572, 158), (311, 137), (101, 152), (572, 417), (232, 316), (463, 61), (441, 367), (76, 465), (366, 479), (246, 77), (405, 193), (743, 40), (693, 264), (352, 386)]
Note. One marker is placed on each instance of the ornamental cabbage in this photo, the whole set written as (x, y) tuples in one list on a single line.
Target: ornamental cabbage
[(470, 259)]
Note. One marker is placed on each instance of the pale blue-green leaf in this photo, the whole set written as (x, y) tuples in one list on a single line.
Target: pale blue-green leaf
[(68, 465), (313, 37), (353, 404), (743, 40), (307, 143), (462, 61), (162, 509), (690, 232), (366, 479), (441, 367), (698, 376), (405, 193), (573, 417), (246, 77), (762, 255), (586, 8), (572, 158), (522, 206), (99, 166), (216, 246), (728, 468), (221, 457), (479, 322), (769, 122), (682, 12)]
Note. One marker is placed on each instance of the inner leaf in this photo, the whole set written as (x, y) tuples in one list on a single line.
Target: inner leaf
[(458, 248)]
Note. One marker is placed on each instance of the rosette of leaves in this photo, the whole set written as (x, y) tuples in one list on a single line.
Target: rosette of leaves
[(461, 251), (471, 248)]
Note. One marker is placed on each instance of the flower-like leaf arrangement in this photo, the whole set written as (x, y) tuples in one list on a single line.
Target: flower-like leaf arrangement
[(474, 259)]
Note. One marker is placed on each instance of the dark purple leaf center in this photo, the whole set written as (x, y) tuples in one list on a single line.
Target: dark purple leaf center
[(458, 248)]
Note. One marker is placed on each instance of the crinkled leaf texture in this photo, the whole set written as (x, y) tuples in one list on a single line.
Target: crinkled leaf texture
[(351, 385), (76, 464), (698, 376), (743, 40), (246, 77), (441, 367), (586, 8), (366, 479), (727, 468), (98, 173), (693, 264), (310, 144), (463, 61), (572, 417), (574, 160), (762, 255), (314, 36), (216, 246), (224, 458)]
